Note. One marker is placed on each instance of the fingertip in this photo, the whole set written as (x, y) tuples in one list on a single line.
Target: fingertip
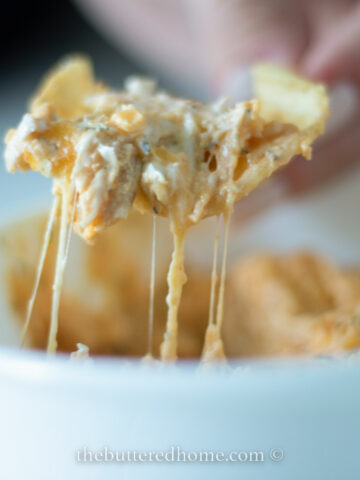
[(236, 80), (316, 69)]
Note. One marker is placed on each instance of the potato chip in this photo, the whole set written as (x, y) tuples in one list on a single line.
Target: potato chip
[(187, 161)]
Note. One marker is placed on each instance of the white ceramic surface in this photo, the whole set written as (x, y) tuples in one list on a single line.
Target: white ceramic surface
[(50, 409)]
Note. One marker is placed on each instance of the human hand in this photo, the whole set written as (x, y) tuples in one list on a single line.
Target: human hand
[(319, 38)]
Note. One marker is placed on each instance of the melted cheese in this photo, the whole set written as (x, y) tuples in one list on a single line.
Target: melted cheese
[(176, 279), (81, 352), (44, 249), (220, 305), (152, 288), (154, 152), (213, 345), (59, 275), (214, 276)]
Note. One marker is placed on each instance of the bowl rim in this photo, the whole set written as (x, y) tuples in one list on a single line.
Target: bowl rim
[(34, 369)]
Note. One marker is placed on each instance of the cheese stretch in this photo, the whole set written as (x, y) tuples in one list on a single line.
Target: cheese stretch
[(111, 151)]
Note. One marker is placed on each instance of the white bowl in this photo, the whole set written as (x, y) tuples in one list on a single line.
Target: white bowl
[(302, 415)]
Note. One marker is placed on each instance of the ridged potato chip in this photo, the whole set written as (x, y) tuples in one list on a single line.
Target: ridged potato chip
[(187, 161)]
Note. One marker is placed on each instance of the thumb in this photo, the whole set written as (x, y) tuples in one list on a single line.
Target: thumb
[(232, 34)]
